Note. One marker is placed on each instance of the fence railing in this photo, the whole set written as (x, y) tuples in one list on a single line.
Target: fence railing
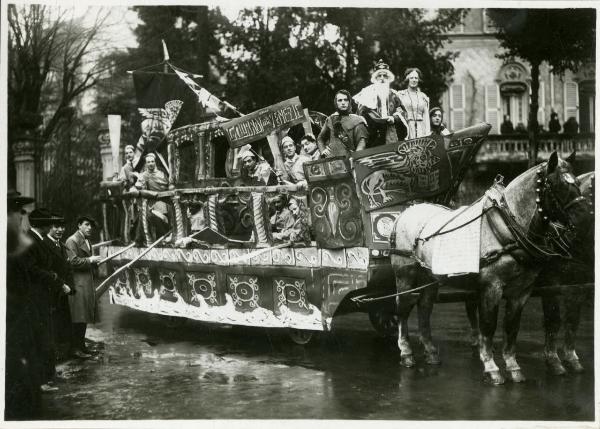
[(514, 147)]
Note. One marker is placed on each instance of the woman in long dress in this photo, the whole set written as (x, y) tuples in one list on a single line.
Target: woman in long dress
[(416, 104)]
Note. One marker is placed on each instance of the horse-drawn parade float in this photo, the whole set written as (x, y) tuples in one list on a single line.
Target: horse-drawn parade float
[(211, 254)]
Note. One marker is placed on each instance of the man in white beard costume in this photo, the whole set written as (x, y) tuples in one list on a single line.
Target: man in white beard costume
[(382, 108)]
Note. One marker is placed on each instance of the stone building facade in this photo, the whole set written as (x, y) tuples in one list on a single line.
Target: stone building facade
[(485, 88)]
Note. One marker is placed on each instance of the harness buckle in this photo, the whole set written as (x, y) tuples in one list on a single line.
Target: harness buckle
[(499, 179)]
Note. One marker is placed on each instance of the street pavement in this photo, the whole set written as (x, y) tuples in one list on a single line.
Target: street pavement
[(146, 370)]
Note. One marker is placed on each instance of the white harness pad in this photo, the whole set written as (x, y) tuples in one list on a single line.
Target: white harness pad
[(455, 252)]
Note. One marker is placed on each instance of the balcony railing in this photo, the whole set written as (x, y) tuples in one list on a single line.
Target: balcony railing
[(514, 147)]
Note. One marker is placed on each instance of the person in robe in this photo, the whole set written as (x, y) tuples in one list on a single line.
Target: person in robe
[(383, 110), (416, 104), (343, 132)]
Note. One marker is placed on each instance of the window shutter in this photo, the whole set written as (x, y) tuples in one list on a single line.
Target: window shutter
[(492, 107), (457, 107), (571, 101)]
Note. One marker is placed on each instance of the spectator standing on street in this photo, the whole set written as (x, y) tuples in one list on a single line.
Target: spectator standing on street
[(47, 284), (83, 303), (23, 377), (59, 303)]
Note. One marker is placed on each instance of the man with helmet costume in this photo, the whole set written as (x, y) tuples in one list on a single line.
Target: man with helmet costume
[(382, 108), (343, 132)]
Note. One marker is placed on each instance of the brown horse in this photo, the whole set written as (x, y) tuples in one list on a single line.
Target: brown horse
[(515, 235), (581, 270)]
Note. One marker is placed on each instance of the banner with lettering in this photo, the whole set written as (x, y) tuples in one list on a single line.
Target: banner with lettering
[(263, 122)]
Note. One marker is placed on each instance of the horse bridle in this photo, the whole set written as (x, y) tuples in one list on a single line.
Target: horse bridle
[(555, 214)]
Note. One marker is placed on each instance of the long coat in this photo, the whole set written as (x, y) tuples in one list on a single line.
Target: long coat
[(45, 284), (61, 313), (23, 374), (83, 303)]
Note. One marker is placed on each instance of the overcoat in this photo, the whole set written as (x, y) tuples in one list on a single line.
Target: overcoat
[(45, 283), (83, 303), (59, 303)]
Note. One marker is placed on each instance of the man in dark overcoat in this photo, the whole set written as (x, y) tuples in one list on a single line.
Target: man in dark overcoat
[(22, 395), (83, 264), (59, 303), (47, 284)]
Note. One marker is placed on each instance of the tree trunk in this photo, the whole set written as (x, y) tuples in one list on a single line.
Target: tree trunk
[(202, 18), (533, 111)]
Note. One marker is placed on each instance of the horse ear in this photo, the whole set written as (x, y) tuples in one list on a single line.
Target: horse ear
[(571, 158), (552, 163)]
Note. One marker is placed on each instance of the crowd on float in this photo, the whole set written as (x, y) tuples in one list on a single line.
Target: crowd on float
[(383, 116), (50, 301)]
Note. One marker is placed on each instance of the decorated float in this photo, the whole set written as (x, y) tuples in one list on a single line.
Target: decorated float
[(230, 269)]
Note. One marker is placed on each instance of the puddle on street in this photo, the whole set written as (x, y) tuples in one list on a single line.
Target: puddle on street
[(144, 370)]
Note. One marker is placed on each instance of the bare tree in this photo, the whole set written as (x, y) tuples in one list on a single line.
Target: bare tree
[(49, 65)]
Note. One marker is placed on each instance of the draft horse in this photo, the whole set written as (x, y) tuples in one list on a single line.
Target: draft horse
[(516, 233), (578, 269)]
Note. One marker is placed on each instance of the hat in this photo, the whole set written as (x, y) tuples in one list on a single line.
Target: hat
[(380, 66), (286, 139), (14, 200), (88, 218), (57, 219), (245, 152), (150, 155), (40, 217)]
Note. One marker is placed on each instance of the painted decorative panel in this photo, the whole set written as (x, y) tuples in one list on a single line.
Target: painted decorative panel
[(334, 206)]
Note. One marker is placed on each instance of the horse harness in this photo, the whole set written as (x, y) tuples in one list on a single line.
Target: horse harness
[(523, 245)]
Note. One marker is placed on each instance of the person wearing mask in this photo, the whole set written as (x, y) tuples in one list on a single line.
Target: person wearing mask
[(343, 132), (83, 303)]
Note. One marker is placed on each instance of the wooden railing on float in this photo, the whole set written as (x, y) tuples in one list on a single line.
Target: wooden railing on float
[(125, 201)]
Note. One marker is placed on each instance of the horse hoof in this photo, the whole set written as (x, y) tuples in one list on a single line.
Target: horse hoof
[(494, 378), (516, 376), (575, 365), (407, 361), (555, 367), (432, 359)]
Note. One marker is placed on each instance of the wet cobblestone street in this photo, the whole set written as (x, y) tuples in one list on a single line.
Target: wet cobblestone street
[(146, 370)]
